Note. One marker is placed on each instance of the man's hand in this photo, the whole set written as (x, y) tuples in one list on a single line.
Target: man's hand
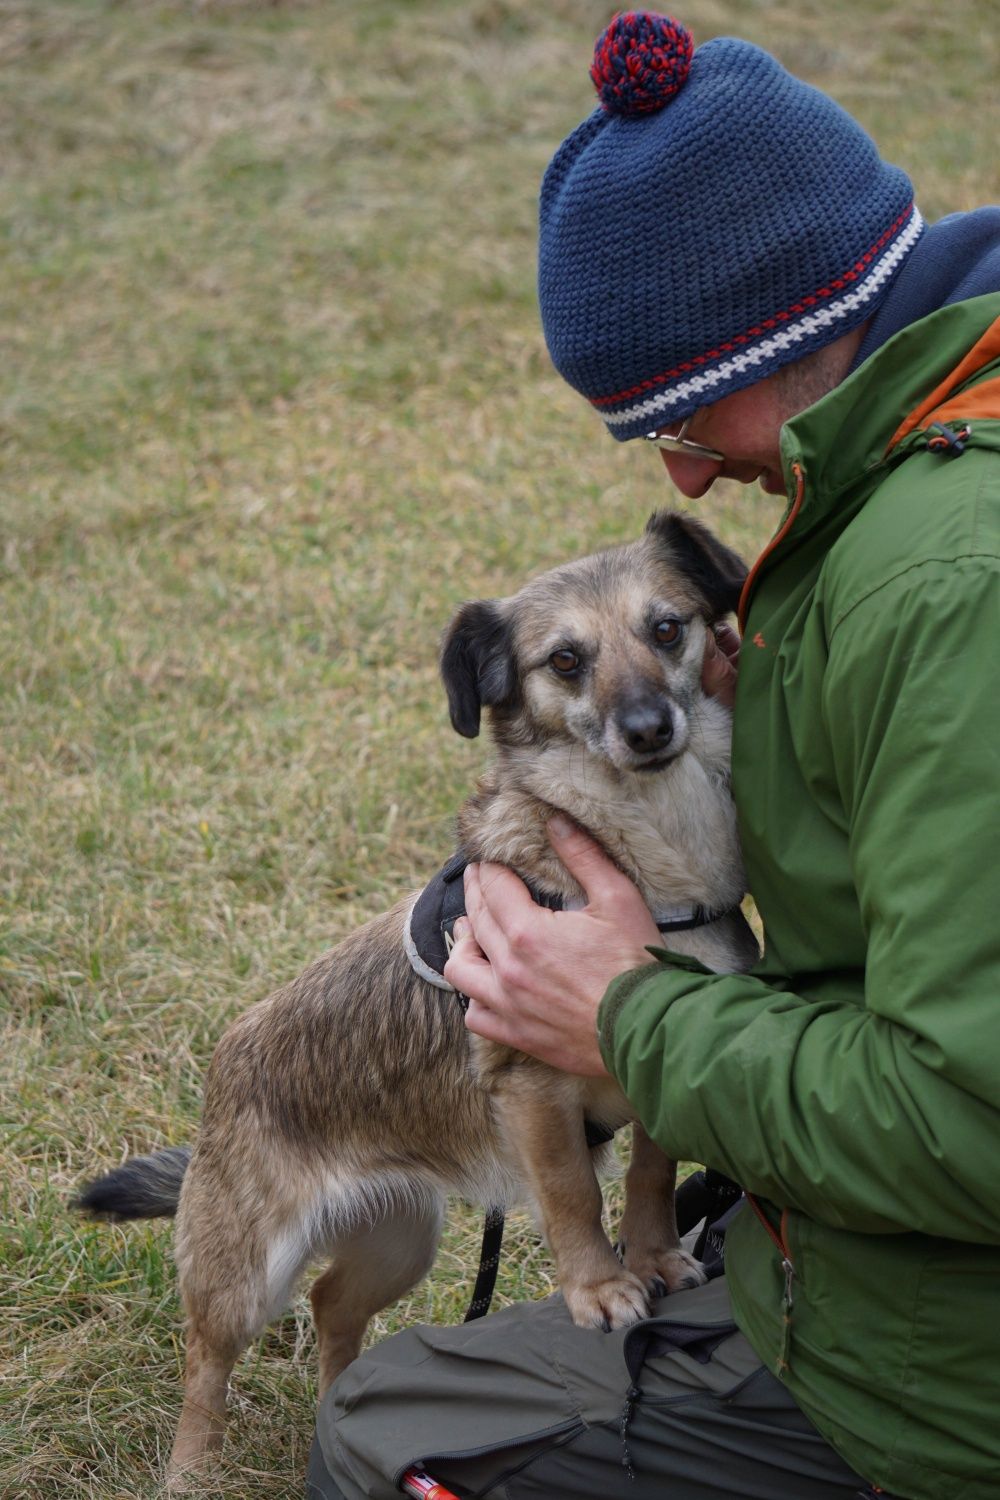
[(721, 663), (535, 977)]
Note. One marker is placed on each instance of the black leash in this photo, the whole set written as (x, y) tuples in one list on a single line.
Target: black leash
[(489, 1264), (489, 1255)]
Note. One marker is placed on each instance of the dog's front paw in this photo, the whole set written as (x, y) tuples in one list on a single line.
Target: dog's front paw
[(617, 1302), (666, 1271)]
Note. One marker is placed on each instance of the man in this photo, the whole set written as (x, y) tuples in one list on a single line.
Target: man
[(726, 263)]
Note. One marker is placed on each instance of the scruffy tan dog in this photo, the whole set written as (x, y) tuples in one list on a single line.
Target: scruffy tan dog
[(342, 1110)]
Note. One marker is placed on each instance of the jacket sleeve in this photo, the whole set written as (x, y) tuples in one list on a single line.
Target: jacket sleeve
[(883, 1116)]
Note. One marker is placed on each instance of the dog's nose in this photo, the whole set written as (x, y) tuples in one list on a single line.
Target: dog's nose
[(647, 728)]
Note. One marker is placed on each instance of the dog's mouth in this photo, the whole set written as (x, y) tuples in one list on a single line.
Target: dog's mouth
[(653, 762), (644, 762)]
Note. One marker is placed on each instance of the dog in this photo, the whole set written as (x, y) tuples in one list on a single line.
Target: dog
[(343, 1109)]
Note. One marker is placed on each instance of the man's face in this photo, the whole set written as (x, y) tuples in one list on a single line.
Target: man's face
[(746, 426)]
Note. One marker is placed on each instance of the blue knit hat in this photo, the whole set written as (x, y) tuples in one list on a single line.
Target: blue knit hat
[(714, 219)]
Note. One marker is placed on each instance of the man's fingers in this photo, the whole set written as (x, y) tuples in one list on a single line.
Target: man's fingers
[(718, 669), (501, 910), (462, 933), (497, 888), (486, 1022), (484, 926), (728, 641)]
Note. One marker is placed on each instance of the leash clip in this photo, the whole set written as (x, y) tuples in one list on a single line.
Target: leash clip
[(947, 439)]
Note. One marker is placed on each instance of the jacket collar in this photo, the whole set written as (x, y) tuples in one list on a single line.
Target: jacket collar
[(847, 433), (875, 417)]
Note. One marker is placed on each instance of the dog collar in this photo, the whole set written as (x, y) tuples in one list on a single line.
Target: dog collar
[(430, 922)]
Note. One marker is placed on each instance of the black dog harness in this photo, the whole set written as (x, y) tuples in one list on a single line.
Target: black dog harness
[(429, 933), (428, 938)]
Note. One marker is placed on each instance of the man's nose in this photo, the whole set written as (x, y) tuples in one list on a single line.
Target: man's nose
[(692, 476)]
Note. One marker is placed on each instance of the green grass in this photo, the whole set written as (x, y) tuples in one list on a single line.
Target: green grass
[(273, 400)]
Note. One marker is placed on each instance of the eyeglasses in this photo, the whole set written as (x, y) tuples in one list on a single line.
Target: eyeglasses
[(679, 442)]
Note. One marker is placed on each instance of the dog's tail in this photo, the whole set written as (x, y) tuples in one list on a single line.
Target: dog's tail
[(144, 1187)]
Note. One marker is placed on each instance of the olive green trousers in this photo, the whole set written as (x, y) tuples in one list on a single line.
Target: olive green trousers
[(525, 1404)]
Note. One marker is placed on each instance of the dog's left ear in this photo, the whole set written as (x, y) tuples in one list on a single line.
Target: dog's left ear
[(477, 663), (716, 571)]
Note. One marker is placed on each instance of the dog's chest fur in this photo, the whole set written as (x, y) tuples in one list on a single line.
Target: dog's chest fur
[(673, 832)]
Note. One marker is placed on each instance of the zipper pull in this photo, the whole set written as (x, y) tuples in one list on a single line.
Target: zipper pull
[(786, 1318), (789, 1271)]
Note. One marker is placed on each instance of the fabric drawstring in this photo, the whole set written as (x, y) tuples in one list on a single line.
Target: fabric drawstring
[(951, 440)]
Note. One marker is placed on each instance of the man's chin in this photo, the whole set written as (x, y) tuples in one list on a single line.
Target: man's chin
[(771, 482)]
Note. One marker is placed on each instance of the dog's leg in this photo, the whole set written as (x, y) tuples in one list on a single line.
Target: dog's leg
[(203, 1415), (648, 1234), (235, 1276), (220, 1326), (371, 1268), (543, 1120)]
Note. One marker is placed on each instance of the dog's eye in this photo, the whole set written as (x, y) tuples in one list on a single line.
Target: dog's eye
[(565, 662), (668, 632)]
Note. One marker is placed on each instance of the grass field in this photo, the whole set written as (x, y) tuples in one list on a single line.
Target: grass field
[(273, 400)]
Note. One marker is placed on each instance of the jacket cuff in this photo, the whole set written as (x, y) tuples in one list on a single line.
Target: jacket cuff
[(621, 990), (616, 996)]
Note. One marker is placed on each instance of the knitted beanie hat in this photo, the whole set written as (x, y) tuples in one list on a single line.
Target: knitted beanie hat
[(714, 219)]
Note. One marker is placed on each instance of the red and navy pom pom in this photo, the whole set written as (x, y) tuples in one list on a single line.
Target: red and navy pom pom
[(640, 62)]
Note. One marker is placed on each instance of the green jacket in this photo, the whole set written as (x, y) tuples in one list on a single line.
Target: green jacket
[(851, 1082)]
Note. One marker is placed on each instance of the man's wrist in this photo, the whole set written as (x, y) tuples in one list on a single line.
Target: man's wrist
[(616, 996)]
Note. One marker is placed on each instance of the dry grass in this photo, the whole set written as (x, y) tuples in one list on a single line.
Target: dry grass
[(273, 399)]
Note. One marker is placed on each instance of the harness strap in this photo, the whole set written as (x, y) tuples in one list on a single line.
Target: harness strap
[(427, 935)]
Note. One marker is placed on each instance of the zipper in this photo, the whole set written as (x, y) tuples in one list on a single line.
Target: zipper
[(563, 1431), (779, 1238), (776, 540)]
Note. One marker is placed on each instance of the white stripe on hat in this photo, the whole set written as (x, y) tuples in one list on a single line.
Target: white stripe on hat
[(787, 337)]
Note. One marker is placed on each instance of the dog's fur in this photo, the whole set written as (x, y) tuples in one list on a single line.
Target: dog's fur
[(342, 1110)]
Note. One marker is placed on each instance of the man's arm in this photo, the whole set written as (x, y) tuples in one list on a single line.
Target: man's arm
[(885, 1117)]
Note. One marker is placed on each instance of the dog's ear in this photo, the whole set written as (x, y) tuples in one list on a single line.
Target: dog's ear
[(477, 663), (715, 571)]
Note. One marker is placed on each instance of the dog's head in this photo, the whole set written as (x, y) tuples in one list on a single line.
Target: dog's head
[(605, 652)]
